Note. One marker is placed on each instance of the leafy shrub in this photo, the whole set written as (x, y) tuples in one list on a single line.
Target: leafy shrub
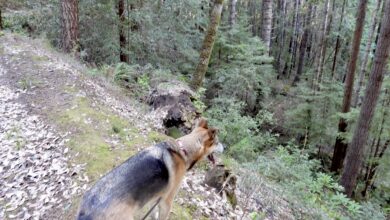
[(306, 188), (132, 77), (226, 115), (241, 134)]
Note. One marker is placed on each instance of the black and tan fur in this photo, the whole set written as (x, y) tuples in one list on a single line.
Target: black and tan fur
[(154, 173)]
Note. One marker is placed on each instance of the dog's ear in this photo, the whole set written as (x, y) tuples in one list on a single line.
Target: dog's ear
[(202, 123), (213, 133)]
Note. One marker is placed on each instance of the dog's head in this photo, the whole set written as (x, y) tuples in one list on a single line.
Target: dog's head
[(200, 143)]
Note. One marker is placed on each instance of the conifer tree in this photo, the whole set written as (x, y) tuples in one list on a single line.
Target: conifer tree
[(208, 44), (355, 152), (340, 146), (69, 25), (266, 23), (122, 36)]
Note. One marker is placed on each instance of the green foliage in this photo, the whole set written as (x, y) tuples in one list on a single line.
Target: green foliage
[(99, 31), (319, 195), (239, 132), (315, 114), (166, 35), (257, 216), (240, 68), (163, 44), (132, 77), (198, 103), (226, 115)]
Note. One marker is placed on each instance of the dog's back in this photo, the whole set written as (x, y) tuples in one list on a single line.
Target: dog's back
[(132, 184)]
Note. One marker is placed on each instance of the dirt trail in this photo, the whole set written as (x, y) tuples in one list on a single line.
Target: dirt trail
[(37, 85)]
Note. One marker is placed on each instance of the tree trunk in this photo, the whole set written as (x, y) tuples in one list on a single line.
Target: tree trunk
[(252, 16), (340, 146), (378, 29), (294, 38), (278, 62), (321, 56), (374, 155), (266, 23), (288, 61), (363, 67), (311, 37), (232, 12), (369, 181), (355, 152), (207, 47), (1, 21), (303, 47), (69, 25), (122, 34), (337, 47)]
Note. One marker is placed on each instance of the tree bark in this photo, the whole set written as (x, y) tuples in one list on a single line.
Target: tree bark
[(278, 65), (379, 28), (303, 47), (340, 146), (321, 56), (376, 156), (252, 16), (232, 12), (1, 20), (294, 38), (363, 67), (122, 34), (338, 40), (207, 46), (69, 25), (369, 181), (355, 152), (266, 23), (311, 38), (288, 61)]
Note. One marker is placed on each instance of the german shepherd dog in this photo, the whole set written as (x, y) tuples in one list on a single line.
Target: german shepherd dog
[(153, 175)]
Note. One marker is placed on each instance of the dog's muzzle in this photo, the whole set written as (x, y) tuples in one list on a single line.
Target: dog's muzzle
[(218, 150)]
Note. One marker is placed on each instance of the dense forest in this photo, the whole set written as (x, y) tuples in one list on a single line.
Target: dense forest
[(300, 90)]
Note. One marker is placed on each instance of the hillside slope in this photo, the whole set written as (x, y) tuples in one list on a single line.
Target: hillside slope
[(62, 128)]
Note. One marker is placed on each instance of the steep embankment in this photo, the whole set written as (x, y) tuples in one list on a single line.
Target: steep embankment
[(62, 128)]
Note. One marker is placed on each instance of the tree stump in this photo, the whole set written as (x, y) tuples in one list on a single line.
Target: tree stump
[(173, 101), (224, 181)]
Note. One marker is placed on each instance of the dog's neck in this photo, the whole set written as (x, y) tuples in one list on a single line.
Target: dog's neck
[(181, 148), (182, 151)]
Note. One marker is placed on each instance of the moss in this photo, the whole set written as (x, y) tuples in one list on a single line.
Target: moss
[(28, 82), (116, 129), (174, 132), (118, 125), (229, 162), (91, 126), (37, 58), (181, 212), (157, 137), (70, 89)]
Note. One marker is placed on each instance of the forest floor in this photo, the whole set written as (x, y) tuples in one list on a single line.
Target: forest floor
[(62, 128)]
